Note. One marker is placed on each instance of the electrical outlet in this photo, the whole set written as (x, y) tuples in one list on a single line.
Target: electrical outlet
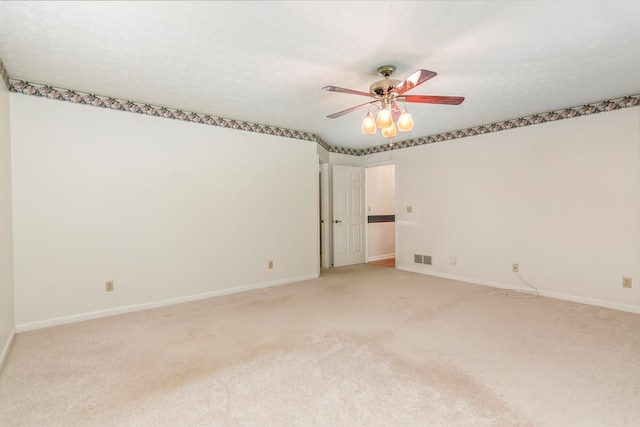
[(626, 282), (426, 259), (270, 264), (409, 209), (515, 268), (453, 260), (108, 286), (417, 259)]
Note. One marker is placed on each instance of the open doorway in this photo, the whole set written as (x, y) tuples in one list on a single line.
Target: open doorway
[(380, 198)]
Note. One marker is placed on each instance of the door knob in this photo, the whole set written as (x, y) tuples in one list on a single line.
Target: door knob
[(337, 221)]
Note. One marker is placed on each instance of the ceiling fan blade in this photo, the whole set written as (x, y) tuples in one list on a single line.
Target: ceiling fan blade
[(342, 113), (432, 99), (343, 90), (414, 80)]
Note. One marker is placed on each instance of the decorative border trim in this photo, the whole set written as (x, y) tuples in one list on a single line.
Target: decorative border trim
[(552, 116), (5, 74), (46, 91)]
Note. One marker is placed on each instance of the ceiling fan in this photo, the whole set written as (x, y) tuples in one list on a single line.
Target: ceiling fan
[(390, 96)]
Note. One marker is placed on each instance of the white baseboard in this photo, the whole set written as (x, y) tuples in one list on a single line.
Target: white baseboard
[(155, 304), (592, 301), (556, 295), (380, 257), (6, 348)]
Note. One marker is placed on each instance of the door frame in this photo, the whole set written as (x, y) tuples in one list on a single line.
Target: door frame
[(327, 208), (326, 240), (395, 204)]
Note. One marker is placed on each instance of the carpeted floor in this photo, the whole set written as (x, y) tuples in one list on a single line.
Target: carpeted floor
[(360, 346)]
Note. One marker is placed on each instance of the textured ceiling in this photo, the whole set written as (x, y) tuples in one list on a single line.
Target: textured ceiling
[(266, 62)]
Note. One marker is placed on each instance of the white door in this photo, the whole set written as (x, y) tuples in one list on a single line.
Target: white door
[(348, 216)]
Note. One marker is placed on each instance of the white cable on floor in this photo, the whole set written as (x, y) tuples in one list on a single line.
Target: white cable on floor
[(523, 293)]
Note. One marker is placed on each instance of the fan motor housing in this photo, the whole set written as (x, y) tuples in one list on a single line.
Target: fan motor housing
[(383, 87)]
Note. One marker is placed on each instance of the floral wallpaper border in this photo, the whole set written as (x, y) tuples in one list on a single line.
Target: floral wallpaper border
[(45, 91), (566, 113), (5, 74)]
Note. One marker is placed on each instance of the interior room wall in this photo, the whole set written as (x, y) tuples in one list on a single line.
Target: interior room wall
[(167, 210), (7, 324), (380, 199), (323, 154), (561, 199), (344, 160)]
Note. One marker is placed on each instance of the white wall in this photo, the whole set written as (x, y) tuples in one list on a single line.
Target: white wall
[(380, 198), (381, 190), (168, 210), (344, 160), (562, 199), (323, 154), (7, 325)]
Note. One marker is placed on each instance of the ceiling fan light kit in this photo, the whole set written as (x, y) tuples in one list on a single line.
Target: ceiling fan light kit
[(389, 132), (369, 124), (392, 115), (405, 121), (384, 119)]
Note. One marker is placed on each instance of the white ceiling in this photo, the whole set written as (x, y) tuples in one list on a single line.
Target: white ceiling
[(266, 62)]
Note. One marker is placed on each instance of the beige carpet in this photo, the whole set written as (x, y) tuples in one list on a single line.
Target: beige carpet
[(360, 346)]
